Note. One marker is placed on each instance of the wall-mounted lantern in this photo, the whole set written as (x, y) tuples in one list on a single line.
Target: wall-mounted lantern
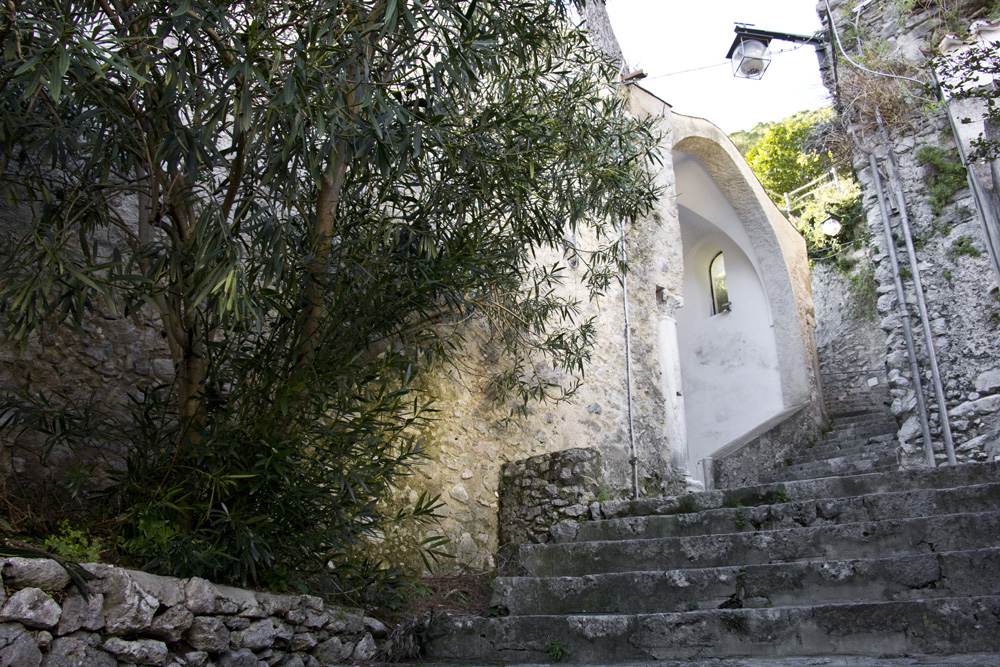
[(750, 54)]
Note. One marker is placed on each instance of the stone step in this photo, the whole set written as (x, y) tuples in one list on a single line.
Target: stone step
[(840, 410), (831, 468), (860, 451), (894, 628), (919, 576), (862, 431), (863, 418), (796, 514), (942, 477), (847, 448), (868, 539)]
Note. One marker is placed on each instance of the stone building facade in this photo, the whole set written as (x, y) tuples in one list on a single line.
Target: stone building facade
[(705, 382)]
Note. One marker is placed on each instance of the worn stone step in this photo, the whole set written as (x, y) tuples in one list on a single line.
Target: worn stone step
[(878, 443), (918, 576), (841, 425), (837, 470), (827, 487), (859, 452), (843, 433), (793, 514), (831, 468), (869, 539), (865, 411), (945, 626)]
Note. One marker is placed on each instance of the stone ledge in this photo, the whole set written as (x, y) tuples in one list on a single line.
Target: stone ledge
[(134, 618)]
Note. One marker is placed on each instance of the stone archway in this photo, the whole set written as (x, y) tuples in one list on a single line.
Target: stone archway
[(743, 367)]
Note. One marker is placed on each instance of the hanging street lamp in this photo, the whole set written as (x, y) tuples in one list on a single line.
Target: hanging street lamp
[(750, 54)]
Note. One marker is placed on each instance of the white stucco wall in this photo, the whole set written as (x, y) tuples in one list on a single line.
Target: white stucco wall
[(729, 361)]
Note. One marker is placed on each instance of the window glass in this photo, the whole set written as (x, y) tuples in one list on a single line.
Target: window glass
[(717, 279)]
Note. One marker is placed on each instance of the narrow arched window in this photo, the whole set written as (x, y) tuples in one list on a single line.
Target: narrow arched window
[(717, 280)]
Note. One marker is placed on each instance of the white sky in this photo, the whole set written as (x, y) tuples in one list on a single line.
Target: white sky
[(667, 36)]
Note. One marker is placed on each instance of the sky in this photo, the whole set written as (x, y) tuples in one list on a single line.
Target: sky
[(663, 37)]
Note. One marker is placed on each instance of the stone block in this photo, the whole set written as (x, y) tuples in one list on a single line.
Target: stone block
[(77, 650), (172, 624), (365, 649), (988, 382), (127, 607), (333, 650), (208, 633), (259, 635), (138, 652), (241, 658), (168, 590), (42, 573), (31, 607), (78, 613)]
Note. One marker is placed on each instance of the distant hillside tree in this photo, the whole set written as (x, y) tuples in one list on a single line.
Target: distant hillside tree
[(783, 158)]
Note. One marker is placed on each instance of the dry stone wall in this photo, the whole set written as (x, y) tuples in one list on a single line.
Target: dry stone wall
[(132, 618), (959, 284), (543, 497)]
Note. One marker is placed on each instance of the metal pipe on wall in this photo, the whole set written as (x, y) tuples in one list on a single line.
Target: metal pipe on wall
[(628, 370), (918, 288), (904, 313)]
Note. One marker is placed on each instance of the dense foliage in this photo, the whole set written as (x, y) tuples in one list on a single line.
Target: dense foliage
[(787, 156), (303, 193), (783, 160)]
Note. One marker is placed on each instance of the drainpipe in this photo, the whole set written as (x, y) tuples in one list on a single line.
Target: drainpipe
[(634, 459), (904, 311), (949, 445), (987, 216)]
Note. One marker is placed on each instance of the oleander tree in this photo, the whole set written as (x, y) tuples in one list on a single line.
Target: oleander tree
[(310, 197)]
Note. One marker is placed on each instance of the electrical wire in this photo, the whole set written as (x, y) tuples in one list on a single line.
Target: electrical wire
[(836, 34), (722, 64)]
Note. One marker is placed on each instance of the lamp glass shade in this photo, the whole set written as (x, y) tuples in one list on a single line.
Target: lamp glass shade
[(750, 59), (831, 226)]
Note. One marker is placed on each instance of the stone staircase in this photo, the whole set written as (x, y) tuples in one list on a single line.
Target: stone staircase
[(860, 442), (837, 554)]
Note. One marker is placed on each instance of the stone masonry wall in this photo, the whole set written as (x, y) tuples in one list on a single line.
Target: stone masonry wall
[(472, 437), (765, 450), (850, 344), (132, 618), (113, 358), (959, 283), (539, 494)]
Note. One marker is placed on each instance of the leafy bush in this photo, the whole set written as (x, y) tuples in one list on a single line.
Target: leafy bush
[(309, 197), (74, 544)]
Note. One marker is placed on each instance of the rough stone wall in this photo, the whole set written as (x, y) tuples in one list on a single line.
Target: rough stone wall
[(849, 342), (472, 437), (541, 494), (117, 357), (960, 285), (113, 359), (762, 451), (132, 618)]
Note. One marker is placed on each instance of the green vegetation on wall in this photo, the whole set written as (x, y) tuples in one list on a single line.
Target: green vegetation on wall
[(944, 174)]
